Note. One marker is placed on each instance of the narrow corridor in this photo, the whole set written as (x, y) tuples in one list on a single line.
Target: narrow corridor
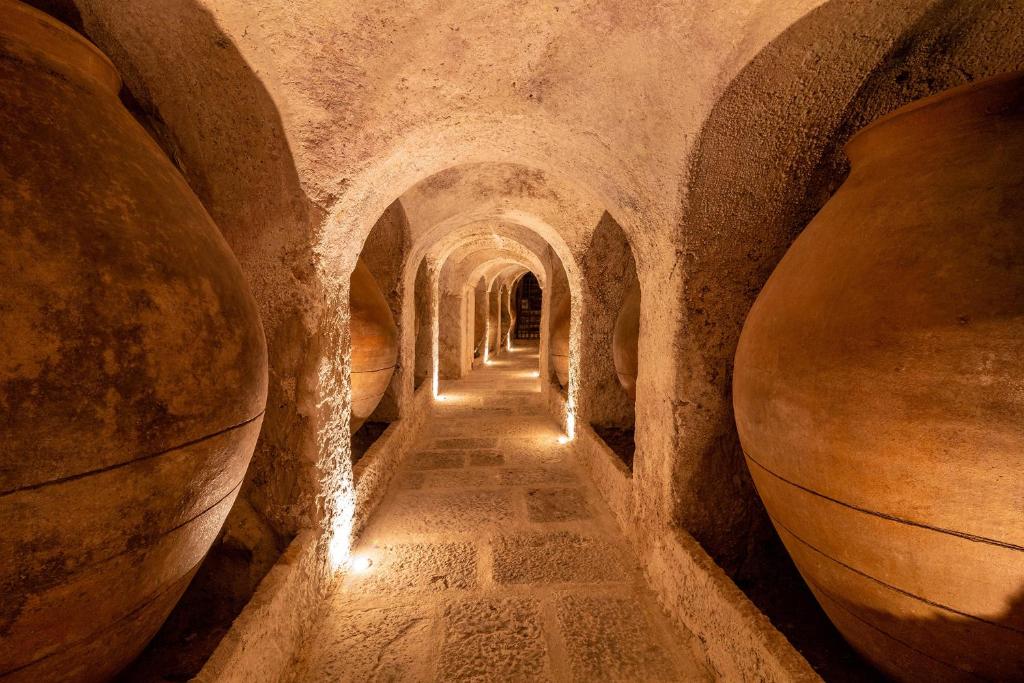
[(494, 559)]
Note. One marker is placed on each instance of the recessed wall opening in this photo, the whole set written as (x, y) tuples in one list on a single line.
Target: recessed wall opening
[(610, 330), (376, 311), (559, 328), (422, 321)]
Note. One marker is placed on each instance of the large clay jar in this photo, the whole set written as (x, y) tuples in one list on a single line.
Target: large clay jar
[(625, 341), (374, 344), (879, 396), (133, 370), (559, 344)]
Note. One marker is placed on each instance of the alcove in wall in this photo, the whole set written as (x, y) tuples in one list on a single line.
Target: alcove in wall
[(375, 320), (559, 325), (422, 296), (610, 330)]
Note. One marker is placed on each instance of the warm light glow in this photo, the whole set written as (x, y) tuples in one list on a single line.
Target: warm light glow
[(574, 363), (441, 397), (361, 564), (339, 547), (487, 339), (563, 439)]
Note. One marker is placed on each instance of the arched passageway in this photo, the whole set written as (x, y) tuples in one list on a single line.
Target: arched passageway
[(470, 281), (453, 577)]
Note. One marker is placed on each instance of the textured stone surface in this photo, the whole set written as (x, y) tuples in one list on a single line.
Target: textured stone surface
[(612, 639), (536, 476), (373, 644), (495, 639), (431, 460), (555, 505), (420, 604), (463, 478), (444, 511), (557, 557), (400, 569), (486, 458), (465, 443)]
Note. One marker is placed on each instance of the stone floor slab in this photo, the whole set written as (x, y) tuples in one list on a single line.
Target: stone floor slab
[(493, 639), (610, 639), (414, 567), (537, 476), (447, 511), (556, 505), (493, 558), (461, 442), (375, 644), (486, 458), (435, 460), (556, 557)]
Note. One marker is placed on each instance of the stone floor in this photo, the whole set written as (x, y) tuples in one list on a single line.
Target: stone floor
[(493, 559)]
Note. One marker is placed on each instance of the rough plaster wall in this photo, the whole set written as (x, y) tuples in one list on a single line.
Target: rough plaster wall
[(468, 338), (508, 306), (555, 295), (424, 346), (493, 320), (479, 317), (450, 323), (608, 272), (768, 158), (384, 254)]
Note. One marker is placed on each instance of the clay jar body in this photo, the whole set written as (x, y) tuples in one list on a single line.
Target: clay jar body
[(878, 390), (560, 343), (374, 344), (133, 368), (625, 341)]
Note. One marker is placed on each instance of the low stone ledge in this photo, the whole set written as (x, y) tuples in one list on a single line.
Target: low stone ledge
[(611, 476), (264, 638), (377, 467), (740, 642)]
